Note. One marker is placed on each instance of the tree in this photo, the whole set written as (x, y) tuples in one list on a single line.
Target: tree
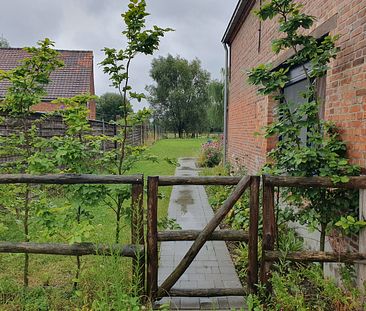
[(117, 65), (109, 107), (216, 105), (179, 96), (27, 87), (323, 153), (4, 43)]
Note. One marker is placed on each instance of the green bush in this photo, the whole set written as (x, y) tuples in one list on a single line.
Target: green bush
[(211, 153)]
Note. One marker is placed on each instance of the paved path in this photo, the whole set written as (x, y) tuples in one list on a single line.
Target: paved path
[(213, 266)]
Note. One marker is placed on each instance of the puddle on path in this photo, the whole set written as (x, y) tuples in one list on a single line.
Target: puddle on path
[(184, 199)]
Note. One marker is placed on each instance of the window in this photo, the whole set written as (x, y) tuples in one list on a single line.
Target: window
[(297, 85)]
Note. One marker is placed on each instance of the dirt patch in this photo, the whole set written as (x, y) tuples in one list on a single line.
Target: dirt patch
[(185, 198)]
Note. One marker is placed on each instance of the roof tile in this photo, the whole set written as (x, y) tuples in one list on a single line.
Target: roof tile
[(73, 79)]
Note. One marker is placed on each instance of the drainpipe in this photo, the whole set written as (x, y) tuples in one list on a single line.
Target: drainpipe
[(226, 93)]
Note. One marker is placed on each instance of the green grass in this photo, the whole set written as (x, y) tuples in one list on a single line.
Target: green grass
[(163, 149), (104, 280)]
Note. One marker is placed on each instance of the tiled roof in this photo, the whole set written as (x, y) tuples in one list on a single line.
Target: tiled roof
[(76, 77)]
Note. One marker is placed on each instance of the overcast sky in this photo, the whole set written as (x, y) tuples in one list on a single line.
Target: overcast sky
[(94, 24)]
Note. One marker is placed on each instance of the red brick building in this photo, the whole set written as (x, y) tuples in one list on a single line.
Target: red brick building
[(249, 42), (76, 77)]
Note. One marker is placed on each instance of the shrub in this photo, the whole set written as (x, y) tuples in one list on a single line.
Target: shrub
[(211, 153)]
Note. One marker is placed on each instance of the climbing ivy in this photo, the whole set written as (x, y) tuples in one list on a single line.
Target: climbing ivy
[(323, 153)]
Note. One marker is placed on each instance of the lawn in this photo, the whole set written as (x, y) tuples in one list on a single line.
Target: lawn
[(168, 149), (104, 280)]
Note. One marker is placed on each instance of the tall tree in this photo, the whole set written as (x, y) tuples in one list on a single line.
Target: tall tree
[(216, 105), (179, 96), (110, 106)]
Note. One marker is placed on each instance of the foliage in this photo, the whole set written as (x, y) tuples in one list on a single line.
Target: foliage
[(117, 65), (23, 147), (109, 107), (304, 288), (350, 225), (166, 223), (238, 217), (211, 153), (179, 96), (4, 43), (323, 153), (215, 111)]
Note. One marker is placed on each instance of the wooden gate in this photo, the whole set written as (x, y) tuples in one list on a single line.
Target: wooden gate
[(208, 233)]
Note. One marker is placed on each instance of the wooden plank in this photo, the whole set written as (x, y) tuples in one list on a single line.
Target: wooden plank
[(191, 235), (269, 231), (198, 180), (307, 256), (203, 236), (69, 179), (137, 235), (80, 249), (152, 236), (206, 292), (253, 234), (357, 182)]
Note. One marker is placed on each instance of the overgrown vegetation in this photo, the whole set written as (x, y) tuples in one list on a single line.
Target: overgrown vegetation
[(321, 152), (76, 213), (211, 152)]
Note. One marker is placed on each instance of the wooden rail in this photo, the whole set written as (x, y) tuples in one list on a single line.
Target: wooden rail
[(80, 249), (357, 182), (198, 180), (62, 179), (191, 235), (206, 292), (307, 256)]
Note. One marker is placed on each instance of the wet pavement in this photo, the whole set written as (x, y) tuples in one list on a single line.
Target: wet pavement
[(213, 267)]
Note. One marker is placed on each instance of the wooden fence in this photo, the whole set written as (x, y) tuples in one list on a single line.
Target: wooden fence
[(54, 126), (135, 250), (269, 255), (201, 236)]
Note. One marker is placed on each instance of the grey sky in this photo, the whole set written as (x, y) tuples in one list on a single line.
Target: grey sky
[(94, 24)]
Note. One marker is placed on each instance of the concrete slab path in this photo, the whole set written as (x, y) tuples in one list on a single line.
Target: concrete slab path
[(213, 266)]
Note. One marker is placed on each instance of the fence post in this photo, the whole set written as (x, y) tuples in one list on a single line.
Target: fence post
[(361, 267), (137, 234), (253, 234), (152, 236), (269, 230)]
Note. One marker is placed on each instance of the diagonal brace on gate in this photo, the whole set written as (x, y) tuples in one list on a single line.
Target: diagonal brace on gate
[(197, 245)]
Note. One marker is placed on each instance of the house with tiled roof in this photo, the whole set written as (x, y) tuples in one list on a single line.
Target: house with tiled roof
[(76, 77)]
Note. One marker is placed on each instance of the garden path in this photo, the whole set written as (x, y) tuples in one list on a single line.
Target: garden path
[(213, 266)]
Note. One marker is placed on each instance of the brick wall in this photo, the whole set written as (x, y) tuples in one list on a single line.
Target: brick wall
[(346, 80)]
